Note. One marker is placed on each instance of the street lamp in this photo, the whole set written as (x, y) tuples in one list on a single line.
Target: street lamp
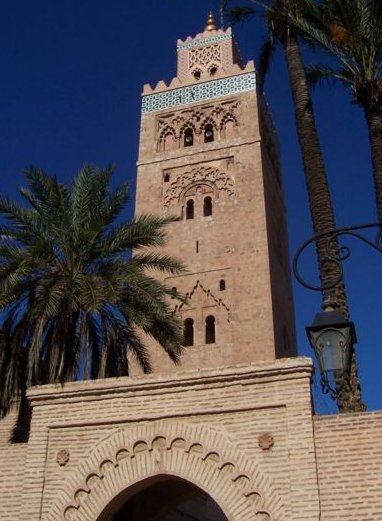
[(332, 338)]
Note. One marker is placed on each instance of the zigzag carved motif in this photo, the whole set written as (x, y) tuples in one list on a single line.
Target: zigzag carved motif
[(207, 292)]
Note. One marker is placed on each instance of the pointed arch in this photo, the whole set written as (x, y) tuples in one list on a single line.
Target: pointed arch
[(229, 116), (167, 139), (209, 121), (228, 125), (187, 126)]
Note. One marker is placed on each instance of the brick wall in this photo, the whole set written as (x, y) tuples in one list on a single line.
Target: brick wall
[(236, 405), (332, 463), (349, 462), (12, 461)]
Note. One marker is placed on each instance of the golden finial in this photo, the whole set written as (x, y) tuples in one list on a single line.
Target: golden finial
[(210, 23)]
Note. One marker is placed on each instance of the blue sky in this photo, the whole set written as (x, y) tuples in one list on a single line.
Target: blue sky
[(72, 75)]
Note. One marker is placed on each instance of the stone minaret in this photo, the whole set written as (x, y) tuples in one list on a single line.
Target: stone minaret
[(209, 155)]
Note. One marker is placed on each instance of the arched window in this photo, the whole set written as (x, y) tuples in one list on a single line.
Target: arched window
[(190, 209), (210, 329), (174, 290), (229, 129), (208, 133), (222, 285), (207, 206), (188, 137), (166, 178), (169, 141), (188, 332)]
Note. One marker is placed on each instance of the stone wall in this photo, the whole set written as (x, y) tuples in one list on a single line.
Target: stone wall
[(349, 462)]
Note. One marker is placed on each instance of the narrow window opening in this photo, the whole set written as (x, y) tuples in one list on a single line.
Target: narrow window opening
[(166, 178), (173, 289), (190, 209), (207, 207), (208, 133), (188, 332), (197, 247), (213, 70), (197, 74), (222, 285), (188, 137), (210, 330)]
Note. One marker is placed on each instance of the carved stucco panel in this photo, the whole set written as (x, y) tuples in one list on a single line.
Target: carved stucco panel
[(221, 181)]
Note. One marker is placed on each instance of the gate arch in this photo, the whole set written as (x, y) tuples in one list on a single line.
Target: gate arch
[(162, 497), (198, 454)]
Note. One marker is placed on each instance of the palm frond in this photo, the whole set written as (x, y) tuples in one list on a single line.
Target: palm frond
[(74, 299), (319, 73)]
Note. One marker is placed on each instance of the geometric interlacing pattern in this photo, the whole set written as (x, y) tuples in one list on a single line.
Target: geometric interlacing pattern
[(198, 454), (204, 56), (199, 92), (204, 41)]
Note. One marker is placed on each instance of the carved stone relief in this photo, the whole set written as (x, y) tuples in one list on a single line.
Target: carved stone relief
[(221, 182), (207, 293), (203, 456), (218, 115)]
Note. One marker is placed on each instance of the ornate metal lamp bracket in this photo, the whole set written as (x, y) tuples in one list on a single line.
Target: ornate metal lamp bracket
[(331, 237)]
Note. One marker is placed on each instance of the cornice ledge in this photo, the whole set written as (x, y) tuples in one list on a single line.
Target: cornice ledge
[(199, 150), (282, 369)]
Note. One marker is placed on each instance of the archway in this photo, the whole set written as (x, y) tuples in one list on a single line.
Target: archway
[(163, 498), (199, 455)]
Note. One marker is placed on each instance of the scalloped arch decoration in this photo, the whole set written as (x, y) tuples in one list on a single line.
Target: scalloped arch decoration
[(200, 455), (222, 181)]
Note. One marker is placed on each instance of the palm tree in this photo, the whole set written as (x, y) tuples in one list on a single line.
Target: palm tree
[(351, 32), (280, 31), (73, 300)]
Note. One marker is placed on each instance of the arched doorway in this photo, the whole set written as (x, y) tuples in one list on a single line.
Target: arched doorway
[(163, 498), (132, 460)]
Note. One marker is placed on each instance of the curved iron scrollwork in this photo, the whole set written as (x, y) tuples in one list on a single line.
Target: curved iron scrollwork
[(331, 237)]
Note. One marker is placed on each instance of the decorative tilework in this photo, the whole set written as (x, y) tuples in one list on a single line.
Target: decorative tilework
[(204, 41), (199, 92)]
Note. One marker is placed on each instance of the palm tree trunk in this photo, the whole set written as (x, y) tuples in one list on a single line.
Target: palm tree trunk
[(320, 203), (374, 122)]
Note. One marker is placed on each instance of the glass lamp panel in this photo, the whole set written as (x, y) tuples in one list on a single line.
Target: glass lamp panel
[(331, 350)]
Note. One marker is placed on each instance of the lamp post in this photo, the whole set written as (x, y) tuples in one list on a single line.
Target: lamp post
[(331, 336)]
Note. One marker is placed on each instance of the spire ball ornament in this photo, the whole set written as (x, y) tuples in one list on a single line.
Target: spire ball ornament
[(210, 23)]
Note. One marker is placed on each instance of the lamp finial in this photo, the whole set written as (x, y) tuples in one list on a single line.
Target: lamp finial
[(210, 23)]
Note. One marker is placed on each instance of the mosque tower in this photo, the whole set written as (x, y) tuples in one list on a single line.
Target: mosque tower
[(209, 155)]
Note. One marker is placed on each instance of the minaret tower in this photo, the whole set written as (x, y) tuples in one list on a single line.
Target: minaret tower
[(209, 155)]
